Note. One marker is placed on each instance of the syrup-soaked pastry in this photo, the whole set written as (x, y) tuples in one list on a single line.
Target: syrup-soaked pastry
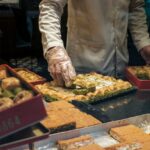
[(5, 103), (10, 83), (3, 74), (23, 96)]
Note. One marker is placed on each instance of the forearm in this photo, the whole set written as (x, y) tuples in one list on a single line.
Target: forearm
[(49, 23), (137, 24)]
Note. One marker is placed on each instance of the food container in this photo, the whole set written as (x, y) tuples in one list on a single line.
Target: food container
[(98, 132), (30, 76), (26, 136), (21, 115), (141, 84)]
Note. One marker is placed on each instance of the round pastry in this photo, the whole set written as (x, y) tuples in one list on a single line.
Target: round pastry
[(10, 83), (23, 96), (5, 103), (3, 74)]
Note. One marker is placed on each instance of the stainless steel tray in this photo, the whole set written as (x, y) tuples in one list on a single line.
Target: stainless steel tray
[(98, 132)]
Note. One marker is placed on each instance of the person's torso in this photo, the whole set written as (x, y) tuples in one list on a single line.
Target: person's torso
[(97, 35)]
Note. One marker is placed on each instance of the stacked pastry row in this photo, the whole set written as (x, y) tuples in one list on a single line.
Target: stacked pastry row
[(129, 137)]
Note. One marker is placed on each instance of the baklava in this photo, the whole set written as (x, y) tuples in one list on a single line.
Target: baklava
[(75, 143)]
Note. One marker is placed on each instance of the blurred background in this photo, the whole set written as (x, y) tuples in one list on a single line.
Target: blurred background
[(20, 41)]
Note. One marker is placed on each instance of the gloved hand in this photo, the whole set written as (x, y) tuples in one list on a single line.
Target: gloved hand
[(60, 66), (145, 53)]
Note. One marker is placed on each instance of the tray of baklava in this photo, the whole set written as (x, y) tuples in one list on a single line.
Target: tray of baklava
[(139, 76), (127, 134), (90, 88), (30, 76), (20, 104), (64, 116)]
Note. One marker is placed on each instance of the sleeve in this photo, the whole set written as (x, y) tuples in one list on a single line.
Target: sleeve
[(138, 25), (49, 23)]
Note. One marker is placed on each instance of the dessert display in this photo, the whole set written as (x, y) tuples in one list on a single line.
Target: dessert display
[(64, 116), (141, 72), (85, 87), (28, 75), (12, 91), (129, 137)]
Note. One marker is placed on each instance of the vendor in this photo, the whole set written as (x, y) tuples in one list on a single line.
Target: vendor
[(97, 36)]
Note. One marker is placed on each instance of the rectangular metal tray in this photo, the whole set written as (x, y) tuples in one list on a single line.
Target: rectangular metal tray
[(26, 136), (98, 132), (22, 115)]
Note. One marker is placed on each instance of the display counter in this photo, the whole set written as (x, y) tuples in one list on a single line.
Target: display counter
[(131, 104)]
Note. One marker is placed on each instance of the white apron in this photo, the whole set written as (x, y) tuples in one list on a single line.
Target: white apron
[(97, 31), (97, 35)]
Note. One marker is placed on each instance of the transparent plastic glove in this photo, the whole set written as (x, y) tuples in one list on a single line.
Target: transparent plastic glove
[(60, 66), (145, 53)]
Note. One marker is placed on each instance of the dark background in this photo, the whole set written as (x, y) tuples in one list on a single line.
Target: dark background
[(20, 41)]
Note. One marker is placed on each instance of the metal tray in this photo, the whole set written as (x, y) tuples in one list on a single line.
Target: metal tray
[(21, 115), (26, 136), (98, 132)]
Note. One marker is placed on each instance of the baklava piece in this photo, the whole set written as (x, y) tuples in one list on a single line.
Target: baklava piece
[(10, 83), (126, 133), (3, 74), (75, 143), (23, 96), (125, 146), (57, 122), (61, 112), (5, 103), (90, 147), (59, 105)]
